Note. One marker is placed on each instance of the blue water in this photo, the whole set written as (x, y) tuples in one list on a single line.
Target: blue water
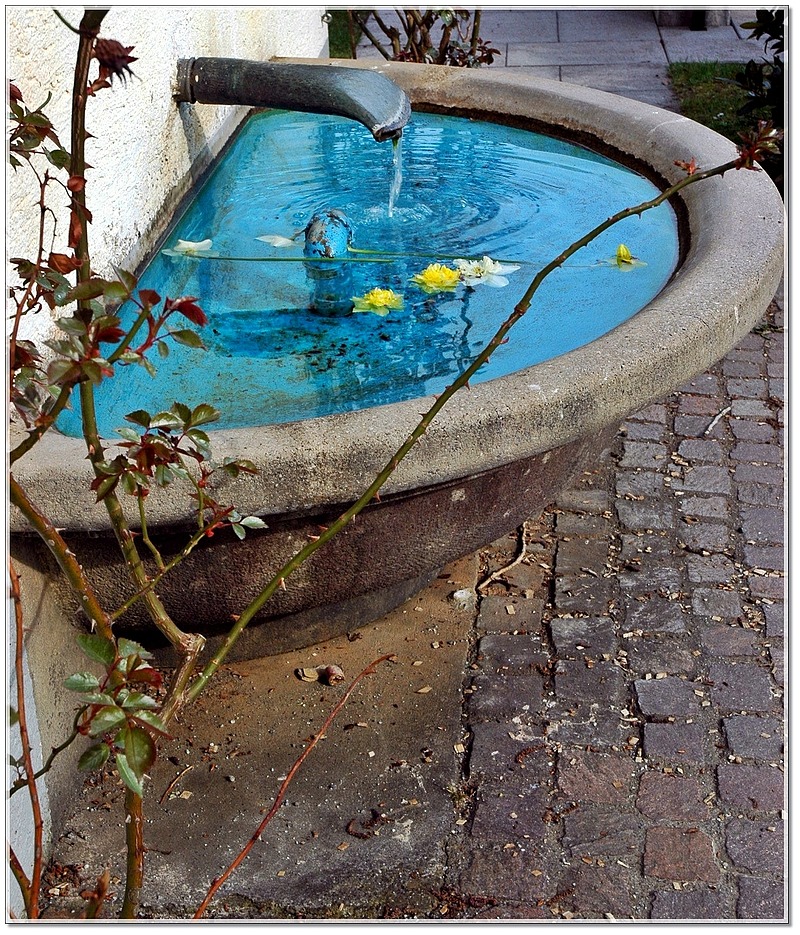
[(469, 189)]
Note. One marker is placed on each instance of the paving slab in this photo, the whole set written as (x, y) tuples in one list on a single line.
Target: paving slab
[(586, 53)]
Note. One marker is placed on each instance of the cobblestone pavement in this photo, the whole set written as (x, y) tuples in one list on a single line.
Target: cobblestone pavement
[(639, 643)]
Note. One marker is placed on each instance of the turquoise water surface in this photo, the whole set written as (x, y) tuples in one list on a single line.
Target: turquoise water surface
[(469, 189)]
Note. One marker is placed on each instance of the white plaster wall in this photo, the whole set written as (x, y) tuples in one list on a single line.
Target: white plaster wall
[(145, 146)]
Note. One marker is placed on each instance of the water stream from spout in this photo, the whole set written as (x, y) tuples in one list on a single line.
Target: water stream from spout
[(397, 175)]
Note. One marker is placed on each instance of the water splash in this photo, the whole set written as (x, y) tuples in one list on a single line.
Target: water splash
[(397, 177)]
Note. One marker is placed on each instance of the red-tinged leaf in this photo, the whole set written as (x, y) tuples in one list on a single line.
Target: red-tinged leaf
[(147, 675), (14, 92), (110, 334), (149, 297), (186, 306), (103, 486), (64, 264), (75, 229), (76, 183)]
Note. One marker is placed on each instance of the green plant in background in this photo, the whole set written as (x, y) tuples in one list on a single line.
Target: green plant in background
[(732, 98), (121, 709), (432, 37)]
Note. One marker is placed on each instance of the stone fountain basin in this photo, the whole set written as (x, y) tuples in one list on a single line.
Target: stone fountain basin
[(497, 454)]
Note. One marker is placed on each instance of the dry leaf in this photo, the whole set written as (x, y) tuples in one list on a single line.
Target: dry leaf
[(424, 690), (307, 675)]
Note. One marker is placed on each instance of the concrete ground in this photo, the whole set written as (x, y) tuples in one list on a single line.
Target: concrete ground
[(582, 721)]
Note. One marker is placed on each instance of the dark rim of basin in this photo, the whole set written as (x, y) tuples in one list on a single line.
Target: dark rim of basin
[(732, 266)]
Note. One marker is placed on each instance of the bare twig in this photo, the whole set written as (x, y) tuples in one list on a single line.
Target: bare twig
[(523, 537), (370, 670), (30, 892), (717, 417)]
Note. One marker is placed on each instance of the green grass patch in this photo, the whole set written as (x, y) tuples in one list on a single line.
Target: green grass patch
[(338, 34), (707, 96)]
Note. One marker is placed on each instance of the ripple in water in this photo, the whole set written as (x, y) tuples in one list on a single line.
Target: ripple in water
[(469, 189)]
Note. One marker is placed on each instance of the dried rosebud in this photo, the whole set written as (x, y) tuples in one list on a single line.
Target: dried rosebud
[(330, 675), (114, 59), (688, 167)]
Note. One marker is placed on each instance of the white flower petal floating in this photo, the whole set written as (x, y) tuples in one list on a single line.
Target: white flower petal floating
[(191, 246), (277, 240)]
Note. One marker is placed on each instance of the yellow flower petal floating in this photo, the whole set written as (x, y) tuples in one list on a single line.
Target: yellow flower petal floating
[(625, 260), (437, 278), (377, 301)]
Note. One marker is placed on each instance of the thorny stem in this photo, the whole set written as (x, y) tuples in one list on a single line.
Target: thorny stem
[(146, 536), (134, 840), (369, 670), (519, 310), (65, 557), (31, 896), (79, 235)]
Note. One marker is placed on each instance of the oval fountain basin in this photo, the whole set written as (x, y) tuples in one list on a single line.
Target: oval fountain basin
[(497, 453), (281, 344)]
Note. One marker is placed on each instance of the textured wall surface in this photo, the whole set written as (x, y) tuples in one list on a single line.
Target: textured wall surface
[(146, 147)]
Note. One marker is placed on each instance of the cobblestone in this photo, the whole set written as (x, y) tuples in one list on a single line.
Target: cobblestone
[(681, 855), (675, 742), (754, 737), (700, 903), (738, 687), (759, 788), (760, 899), (756, 846)]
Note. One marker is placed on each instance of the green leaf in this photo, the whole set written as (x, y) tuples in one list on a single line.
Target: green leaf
[(164, 476), (90, 289), (106, 485), (254, 522), (97, 647), (188, 337), (71, 325), (131, 648), (98, 698), (130, 434), (204, 413), (82, 682), (147, 366), (239, 530), (127, 774), (139, 700), (93, 758), (115, 291), (107, 718), (165, 420), (13, 716), (151, 719), (140, 751), (139, 417), (60, 369), (126, 278), (183, 412), (163, 348), (59, 158)]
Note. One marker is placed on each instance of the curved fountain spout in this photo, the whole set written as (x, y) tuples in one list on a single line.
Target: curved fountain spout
[(365, 96)]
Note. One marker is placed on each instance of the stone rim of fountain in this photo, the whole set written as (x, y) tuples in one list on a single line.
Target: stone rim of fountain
[(716, 296)]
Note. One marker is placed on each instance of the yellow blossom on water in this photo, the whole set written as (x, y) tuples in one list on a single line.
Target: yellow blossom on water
[(379, 301), (437, 278), (625, 259)]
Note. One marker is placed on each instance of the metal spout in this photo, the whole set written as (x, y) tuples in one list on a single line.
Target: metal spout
[(365, 96)]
